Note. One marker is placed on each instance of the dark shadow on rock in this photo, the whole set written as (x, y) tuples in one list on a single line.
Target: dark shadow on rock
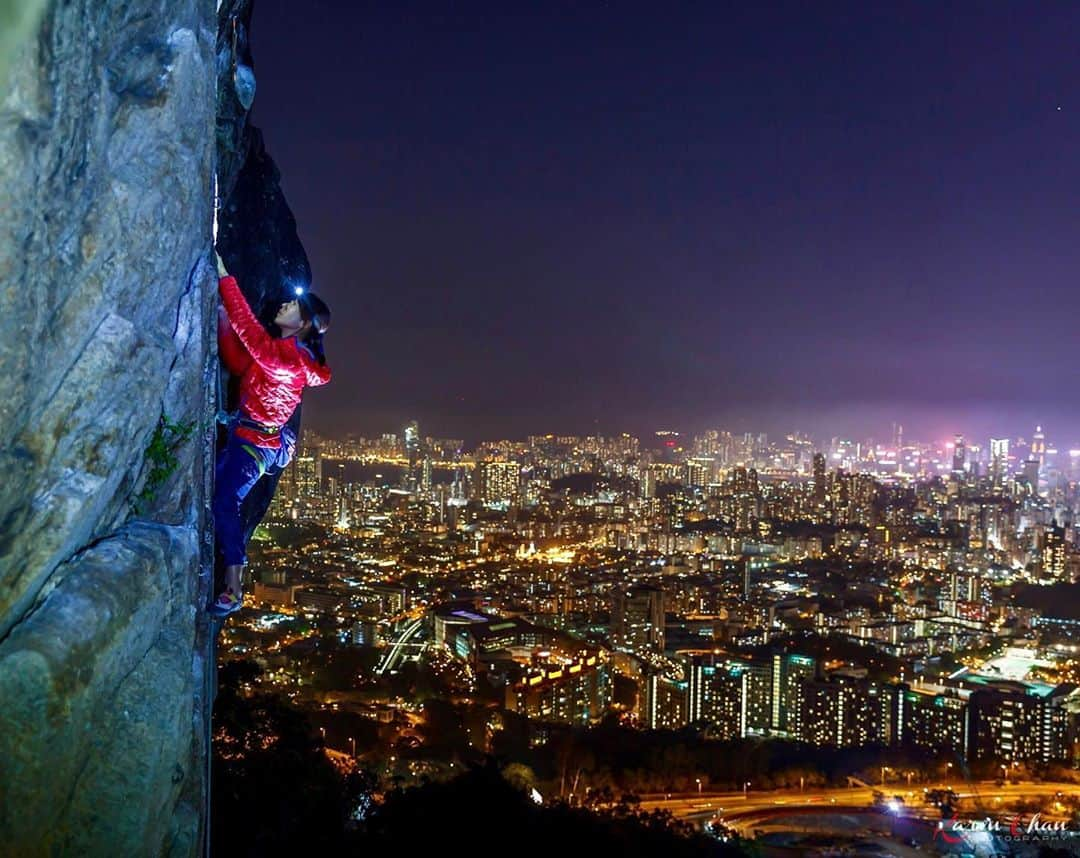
[(233, 51), (257, 234)]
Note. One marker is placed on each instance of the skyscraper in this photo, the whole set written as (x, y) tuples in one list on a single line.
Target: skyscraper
[(959, 456), (788, 673), (999, 460), (1053, 553), (497, 482), (1038, 447), (425, 475), (411, 479), (647, 486), (412, 443), (698, 471), (637, 620), (1031, 475), (819, 478), (308, 472), (665, 702), (722, 693)]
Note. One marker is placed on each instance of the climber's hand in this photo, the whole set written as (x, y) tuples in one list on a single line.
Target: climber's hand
[(221, 270)]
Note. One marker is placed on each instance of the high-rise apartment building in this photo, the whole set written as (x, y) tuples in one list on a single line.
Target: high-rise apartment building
[(665, 702), (788, 673), (308, 472), (497, 483), (637, 620), (1020, 726), (846, 713)]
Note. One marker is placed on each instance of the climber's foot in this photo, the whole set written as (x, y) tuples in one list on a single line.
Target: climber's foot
[(227, 602)]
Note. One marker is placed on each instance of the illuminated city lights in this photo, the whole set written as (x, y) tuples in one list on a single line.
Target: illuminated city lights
[(851, 597)]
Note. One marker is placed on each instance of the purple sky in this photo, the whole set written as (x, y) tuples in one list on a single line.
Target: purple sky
[(765, 217)]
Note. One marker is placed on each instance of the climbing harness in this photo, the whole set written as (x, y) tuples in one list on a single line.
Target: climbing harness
[(261, 428)]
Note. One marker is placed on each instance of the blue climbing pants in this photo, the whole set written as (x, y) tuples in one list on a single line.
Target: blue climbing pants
[(240, 465)]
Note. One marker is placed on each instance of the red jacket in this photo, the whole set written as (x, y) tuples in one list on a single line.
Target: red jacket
[(230, 349), (273, 372)]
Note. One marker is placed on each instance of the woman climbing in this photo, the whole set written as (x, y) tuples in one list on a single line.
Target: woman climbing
[(273, 374)]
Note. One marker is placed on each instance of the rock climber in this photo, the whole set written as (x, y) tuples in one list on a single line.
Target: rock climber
[(273, 373)]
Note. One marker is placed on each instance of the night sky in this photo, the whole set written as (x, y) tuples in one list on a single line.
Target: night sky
[(609, 217)]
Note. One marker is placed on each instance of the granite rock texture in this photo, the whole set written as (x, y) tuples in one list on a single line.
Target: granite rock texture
[(18, 18), (113, 116), (96, 751), (107, 298)]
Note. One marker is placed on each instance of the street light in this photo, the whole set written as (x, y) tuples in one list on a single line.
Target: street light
[(353, 741), (745, 787), (698, 786)]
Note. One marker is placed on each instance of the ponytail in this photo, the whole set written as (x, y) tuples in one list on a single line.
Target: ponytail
[(314, 341)]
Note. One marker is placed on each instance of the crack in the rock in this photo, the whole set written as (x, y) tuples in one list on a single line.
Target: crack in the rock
[(55, 578)]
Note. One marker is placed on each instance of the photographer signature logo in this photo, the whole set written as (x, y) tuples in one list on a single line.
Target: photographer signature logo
[(946, 831), (953, 830)]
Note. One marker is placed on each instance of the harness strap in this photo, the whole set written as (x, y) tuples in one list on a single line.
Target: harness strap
[(247, 448), (262, 428)]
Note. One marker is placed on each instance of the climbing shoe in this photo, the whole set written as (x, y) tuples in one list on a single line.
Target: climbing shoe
[(226, 603)]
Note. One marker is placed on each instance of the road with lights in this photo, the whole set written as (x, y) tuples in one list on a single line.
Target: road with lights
[(738, 809), (396, 652)]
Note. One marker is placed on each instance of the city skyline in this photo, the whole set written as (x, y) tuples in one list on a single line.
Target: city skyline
[(754, 589), (882, 440), (321, 418), (592, 215)]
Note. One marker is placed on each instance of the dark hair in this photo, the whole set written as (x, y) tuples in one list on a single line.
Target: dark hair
[(313, 309)]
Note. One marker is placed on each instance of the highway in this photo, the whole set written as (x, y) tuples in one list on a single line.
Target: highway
[(762, 803), (395, 652)]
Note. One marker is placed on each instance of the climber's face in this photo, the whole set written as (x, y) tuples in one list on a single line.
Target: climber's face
[(288, 318)]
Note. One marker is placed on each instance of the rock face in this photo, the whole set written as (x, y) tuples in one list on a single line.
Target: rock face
[(107, 297), (113, 116), (17, 19)]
